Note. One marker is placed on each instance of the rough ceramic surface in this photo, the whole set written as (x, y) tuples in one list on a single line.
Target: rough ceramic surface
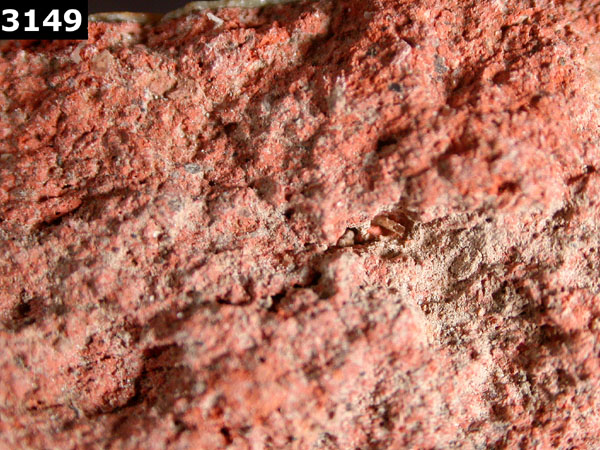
[(350, 224)]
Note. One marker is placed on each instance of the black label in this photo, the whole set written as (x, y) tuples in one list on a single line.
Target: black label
[(67, 21)]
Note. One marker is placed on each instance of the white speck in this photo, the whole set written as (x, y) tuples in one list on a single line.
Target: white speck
[(75, 55), (218, 21), (403, 51)]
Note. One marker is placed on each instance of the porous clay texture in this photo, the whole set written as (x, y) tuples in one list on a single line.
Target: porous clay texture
[(330, 224)]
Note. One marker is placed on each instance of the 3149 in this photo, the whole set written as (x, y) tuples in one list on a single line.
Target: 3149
[(70, 21)]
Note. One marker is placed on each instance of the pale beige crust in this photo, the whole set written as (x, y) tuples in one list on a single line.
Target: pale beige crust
[(187, 9), (125, 17)]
